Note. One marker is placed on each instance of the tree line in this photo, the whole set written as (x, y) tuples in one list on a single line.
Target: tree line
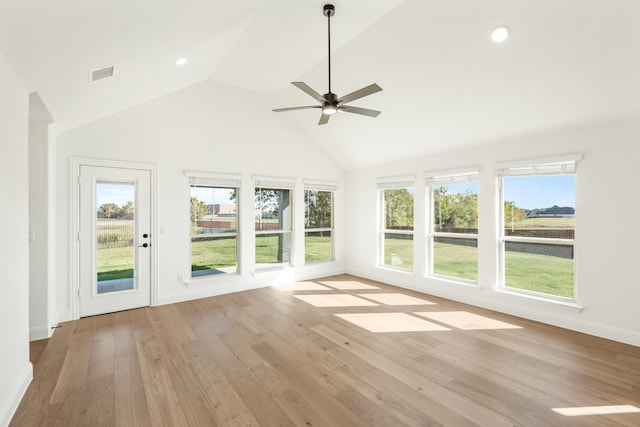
[(112, 210)]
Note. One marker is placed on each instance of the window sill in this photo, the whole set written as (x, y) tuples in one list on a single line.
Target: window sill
[(572, 305), (196, 282), (397, 270), (455, 281)]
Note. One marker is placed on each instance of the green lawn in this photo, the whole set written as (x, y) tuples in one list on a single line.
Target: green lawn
[(540, 273), (115, 263)]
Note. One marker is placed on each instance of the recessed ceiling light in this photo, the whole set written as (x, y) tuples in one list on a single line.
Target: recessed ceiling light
[(500, 34), (181, 61)]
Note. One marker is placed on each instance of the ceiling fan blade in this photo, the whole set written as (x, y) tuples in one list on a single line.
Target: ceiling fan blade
[(278, 110), (306, 89), (324, 119), (360, 93), (358, 110)]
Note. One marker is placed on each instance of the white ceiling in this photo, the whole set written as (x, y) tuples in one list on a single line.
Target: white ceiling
[(445, 84)]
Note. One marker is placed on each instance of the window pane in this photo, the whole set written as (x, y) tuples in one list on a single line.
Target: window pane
[(317, 246), (115, 230), (540, 267), (273, 209), (213, 255), (398, 250), (456, 257), (214, 224), (539, 206), (273, 248), (455, 208), (398, 212), (318, 208)]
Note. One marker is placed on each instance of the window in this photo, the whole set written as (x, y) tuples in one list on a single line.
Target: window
[(318, 222), (453, 231), (214, 224), (396, 225), (538, 227), (273, 222)]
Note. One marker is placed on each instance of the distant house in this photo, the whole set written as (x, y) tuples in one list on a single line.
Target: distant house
[(553, 211), (219, 209)]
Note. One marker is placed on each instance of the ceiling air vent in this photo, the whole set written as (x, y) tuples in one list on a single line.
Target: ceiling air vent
[(101, 73)]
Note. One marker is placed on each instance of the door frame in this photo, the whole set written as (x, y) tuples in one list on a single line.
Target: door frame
[(74, 224)]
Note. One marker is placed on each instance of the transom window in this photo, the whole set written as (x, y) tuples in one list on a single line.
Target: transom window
[(453, 232), (538, 227), (396, 222), (214, 224), (318, 222)]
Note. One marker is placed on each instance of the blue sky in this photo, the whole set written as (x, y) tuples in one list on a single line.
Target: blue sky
[(212, 196), (540, 191), (532, 192), (118, 193)]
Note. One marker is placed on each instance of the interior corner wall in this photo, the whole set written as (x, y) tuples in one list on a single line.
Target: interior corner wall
[(607, 237), (41, 226), (15, 368), (208, 127)]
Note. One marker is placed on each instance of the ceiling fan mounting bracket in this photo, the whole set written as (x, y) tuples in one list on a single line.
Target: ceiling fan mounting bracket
[(328, 10)]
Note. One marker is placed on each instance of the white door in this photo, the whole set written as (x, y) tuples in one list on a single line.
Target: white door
[(115, 239)]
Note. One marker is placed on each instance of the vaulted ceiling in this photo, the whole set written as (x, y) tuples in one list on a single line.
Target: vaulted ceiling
[(446, 85)]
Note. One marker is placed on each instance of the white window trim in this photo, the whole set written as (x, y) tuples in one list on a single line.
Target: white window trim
[(392, 183), (216, 180), (326, 186), (448, 177), (275, 183), (558, 165)]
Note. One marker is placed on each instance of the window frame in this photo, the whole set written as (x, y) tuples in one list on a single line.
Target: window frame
[(221, 181), (553, 166), (435, 179), (321, 187), (273, 183), (394, 183)]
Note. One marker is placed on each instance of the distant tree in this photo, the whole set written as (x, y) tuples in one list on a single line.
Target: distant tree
[(512, 213), (127, 208), (268, 200), (458, 210), (198, 210), (398, 208), (110, 209), (318, 208)]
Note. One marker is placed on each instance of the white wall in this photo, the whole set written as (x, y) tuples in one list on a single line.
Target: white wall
[(207, 127), (41, 221), (15, 368), (607, 234)]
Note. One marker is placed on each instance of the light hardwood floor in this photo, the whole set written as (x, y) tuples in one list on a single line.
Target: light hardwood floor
[(340, 351)]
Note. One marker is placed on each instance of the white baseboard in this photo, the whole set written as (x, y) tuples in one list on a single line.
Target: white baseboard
[(20, 388), (555, 316), (39, 333)]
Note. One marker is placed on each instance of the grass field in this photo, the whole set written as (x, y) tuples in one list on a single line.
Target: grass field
[(563, 223), (539, 273)]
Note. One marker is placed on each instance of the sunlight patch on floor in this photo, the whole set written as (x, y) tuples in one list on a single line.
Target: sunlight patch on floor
[(335, 300), (466, 321), (302, 286), (396, 299), (346, 285), (391, 322), (597, 410)]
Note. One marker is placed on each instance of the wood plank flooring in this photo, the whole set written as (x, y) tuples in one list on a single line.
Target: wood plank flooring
[(339, 351)]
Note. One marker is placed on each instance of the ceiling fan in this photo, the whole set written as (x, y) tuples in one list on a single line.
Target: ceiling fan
[(330, 103)]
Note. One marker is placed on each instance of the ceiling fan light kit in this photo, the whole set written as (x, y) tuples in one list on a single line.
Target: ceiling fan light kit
[(330, 103)]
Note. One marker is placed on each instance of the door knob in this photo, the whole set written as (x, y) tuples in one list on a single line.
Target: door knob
[(144, 245), (145, 235)]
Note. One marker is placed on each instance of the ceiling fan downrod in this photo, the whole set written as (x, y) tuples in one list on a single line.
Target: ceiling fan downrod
[(329, 10)]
